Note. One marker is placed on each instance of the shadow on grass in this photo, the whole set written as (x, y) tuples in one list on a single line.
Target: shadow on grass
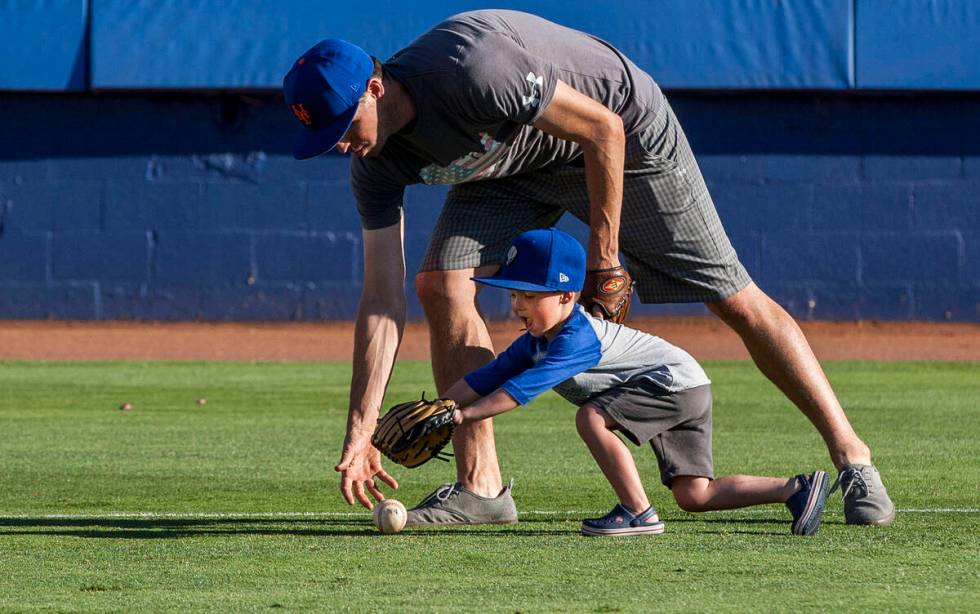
[(177, 528)]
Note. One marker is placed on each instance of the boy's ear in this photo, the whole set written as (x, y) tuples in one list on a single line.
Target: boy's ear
[(567, 297)]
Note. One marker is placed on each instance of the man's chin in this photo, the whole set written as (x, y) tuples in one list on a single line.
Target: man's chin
[(375, 150)]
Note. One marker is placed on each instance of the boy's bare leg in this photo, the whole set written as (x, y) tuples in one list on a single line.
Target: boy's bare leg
[(612, 456), (782, 353), (699, 494), (461, 343)]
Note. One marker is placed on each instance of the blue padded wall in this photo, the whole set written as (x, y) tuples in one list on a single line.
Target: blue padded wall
[(914, 44), (43, 45), (191, 207), (690, 44), (696, 44)]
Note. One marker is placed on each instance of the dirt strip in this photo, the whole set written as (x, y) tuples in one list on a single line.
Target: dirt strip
[(704, 337)]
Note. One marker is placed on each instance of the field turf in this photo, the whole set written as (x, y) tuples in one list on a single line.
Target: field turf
[(233, 505)]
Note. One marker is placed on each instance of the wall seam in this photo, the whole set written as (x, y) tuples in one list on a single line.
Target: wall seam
[(88, 46), (854, 50)]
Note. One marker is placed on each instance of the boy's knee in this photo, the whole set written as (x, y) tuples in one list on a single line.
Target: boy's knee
[(688, 499), (589, 419)]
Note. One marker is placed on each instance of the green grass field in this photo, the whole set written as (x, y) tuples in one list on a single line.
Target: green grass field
[(234, 506)]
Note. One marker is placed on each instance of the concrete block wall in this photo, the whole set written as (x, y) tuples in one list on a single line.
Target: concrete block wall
[(849, 207), (190, 207)]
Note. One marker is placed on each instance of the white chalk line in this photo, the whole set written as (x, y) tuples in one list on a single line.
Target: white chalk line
[(365, 514)]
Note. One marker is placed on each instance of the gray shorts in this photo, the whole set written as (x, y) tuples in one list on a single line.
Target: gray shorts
[(677, 425), (670, 235)]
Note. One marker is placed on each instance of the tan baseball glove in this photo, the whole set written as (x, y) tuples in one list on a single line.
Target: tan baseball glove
[(412, 433)]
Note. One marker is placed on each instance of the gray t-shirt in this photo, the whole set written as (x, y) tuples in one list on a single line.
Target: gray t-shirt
[(478, 80)]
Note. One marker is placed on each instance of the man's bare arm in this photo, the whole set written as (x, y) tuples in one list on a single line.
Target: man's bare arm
[(380, 323), (573, 116), (378, 333)]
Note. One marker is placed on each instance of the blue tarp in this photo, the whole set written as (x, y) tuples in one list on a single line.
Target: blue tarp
[(697, 44), (916, 44), (42, 44), (690, 44)]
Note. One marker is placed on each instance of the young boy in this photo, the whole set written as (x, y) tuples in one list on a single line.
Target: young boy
[(622, 380)]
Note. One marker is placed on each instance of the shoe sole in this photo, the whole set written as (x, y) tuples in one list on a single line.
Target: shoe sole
[(435, 525), (809, 521), (879, 522), (653, 529)]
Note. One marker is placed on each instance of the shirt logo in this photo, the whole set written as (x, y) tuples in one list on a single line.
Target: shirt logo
[(472, 166), (302, 114), (536, 83), (562, 277)]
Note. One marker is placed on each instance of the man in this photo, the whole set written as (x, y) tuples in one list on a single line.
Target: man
[(528, 119)]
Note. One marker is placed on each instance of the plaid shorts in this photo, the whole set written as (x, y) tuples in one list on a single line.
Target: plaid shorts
[(670, 236)]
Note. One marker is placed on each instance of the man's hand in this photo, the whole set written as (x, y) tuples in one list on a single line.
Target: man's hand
[(360, 463), (607, 293)]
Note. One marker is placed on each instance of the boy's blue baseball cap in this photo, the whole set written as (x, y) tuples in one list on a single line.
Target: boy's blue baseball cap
[(546, 260), (322, 89)]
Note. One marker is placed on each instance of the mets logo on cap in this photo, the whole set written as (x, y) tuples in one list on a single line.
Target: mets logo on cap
[(302, 114)]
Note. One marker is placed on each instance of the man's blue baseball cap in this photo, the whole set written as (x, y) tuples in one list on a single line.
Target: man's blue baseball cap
[(322, 89), (546, 260)]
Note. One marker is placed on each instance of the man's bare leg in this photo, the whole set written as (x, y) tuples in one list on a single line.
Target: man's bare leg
[(461, 343), (782, 353)]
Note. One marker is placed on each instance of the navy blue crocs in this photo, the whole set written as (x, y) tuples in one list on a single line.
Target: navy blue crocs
[(808, 502), (620, 521)]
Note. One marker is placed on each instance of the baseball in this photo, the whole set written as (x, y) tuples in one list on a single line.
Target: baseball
[(390, 516)]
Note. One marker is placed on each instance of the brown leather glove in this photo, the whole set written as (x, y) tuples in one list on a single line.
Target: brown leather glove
[(607, 293)]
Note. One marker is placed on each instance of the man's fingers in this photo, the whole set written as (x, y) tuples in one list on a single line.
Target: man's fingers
[(387, 478), (345, 484), (375, 491), (361, 497)]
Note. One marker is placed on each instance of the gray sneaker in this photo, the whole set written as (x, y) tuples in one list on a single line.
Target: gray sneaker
[(865, 499), (452, 504)]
